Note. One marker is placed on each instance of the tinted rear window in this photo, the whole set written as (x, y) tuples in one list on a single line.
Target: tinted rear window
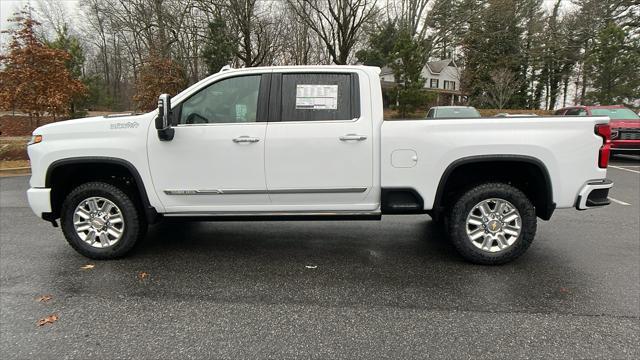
[(313, 97)]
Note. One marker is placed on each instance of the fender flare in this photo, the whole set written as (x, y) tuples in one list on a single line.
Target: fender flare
[(150, 211), (544, 213)]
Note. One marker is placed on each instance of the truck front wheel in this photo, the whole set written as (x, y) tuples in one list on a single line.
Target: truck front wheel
[(101, 221), (492, 224)]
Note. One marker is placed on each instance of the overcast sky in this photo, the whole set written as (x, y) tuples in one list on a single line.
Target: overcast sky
[(8, 7)]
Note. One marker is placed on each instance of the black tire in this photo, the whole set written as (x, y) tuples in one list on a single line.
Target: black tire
[(464, 205), (135, 222)]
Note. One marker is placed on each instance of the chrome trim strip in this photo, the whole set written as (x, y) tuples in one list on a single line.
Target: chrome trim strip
[(273, 213), (275, 191)]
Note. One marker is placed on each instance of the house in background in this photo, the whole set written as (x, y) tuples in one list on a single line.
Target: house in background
[(441, 77)]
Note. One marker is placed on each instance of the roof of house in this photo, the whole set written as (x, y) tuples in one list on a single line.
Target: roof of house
[(436, 67)]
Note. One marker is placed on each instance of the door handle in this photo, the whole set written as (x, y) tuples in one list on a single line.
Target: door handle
[(245, 139), (353, 137)]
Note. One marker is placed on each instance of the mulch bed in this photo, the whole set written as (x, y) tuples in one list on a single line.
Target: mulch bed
[(21, 125)]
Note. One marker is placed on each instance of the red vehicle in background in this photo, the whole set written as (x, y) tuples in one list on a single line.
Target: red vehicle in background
[(625, 125)]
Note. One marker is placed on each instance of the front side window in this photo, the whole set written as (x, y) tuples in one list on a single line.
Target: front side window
[(233, 100), (314, 97)]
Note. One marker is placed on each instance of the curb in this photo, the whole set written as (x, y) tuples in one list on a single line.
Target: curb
[(15, 171)]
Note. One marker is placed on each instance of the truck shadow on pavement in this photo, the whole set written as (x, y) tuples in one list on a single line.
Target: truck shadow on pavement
[(397, 262)]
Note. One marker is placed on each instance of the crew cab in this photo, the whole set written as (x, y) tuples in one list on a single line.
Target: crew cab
[(310, 143), (625, 125)]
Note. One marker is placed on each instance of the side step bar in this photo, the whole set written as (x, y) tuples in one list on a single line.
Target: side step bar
[(275, 216)]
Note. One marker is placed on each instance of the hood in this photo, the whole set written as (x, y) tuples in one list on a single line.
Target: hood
[(625, 124), (94, 124)]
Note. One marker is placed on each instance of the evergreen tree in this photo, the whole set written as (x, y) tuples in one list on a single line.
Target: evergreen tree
[(71, 45), (614, 65), (219, 47), (494, 42), (381, 42)]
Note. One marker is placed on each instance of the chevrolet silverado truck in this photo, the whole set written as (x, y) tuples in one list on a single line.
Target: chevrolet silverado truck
[(310, 143)]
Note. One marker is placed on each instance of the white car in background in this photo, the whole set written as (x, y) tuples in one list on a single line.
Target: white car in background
[(514, 115), (452, 112)]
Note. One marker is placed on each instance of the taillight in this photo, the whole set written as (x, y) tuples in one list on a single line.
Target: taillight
[(604, 131)]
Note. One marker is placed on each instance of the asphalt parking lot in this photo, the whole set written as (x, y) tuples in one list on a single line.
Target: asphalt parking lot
[(389, 289)]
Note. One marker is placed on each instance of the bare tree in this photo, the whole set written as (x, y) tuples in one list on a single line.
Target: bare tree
[(502, 87), (338, 23), (256, 30), (300, 44), (410, 14)]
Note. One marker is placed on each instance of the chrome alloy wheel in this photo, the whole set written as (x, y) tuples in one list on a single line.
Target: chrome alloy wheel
[(493, 225), (98, 222)]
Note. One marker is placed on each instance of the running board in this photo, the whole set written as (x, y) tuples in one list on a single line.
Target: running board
[(275, 216)]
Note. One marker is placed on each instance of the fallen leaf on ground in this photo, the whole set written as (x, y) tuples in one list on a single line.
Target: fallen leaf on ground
[(48, 320), (44, 298), (143, 275), (564, 290), (311, 266), (87, 267)]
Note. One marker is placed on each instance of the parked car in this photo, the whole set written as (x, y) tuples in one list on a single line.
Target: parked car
[(452, 112), (625, 125), (278, 143), (514, 115)]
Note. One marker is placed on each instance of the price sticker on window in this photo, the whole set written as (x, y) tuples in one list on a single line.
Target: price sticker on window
[(316, 97)]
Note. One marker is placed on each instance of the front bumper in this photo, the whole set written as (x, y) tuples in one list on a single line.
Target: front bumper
[(39, 201), (594, 194), (625, 145)]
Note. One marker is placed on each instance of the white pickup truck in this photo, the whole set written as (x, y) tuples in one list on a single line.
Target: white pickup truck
[(281, 143)]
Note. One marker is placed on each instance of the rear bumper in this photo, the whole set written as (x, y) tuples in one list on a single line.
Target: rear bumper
[(594, 194), (39, 201)]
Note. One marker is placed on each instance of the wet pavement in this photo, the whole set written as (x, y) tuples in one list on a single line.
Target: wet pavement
[(361, 289)]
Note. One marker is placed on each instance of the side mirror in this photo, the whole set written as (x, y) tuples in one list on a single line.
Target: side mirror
[(163, 121)]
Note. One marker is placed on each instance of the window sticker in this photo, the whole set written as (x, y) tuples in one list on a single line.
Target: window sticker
[(241, 112), (316, 97)]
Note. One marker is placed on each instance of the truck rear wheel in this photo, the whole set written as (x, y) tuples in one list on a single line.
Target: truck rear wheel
[(492, 224), (101, 221)]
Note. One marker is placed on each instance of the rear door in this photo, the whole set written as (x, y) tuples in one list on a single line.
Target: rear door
[(319, 149)]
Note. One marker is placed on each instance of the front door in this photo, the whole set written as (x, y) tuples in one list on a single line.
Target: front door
[(215, 162), (319, 152)]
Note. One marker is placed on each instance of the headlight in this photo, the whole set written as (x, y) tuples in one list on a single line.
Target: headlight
[(35, 139), (614, 134)]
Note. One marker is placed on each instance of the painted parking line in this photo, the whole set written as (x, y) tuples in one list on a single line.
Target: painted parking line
[(625, 169), (619, 202)]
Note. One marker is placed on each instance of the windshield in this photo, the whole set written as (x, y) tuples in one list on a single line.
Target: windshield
[(617, 114), (457, 113)]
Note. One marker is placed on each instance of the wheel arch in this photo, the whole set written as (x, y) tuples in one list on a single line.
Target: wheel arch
[(538, 188), (107, 169)]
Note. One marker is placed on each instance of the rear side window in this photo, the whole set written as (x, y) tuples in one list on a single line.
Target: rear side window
[(316, 97), (430, 114), (577, 111)]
